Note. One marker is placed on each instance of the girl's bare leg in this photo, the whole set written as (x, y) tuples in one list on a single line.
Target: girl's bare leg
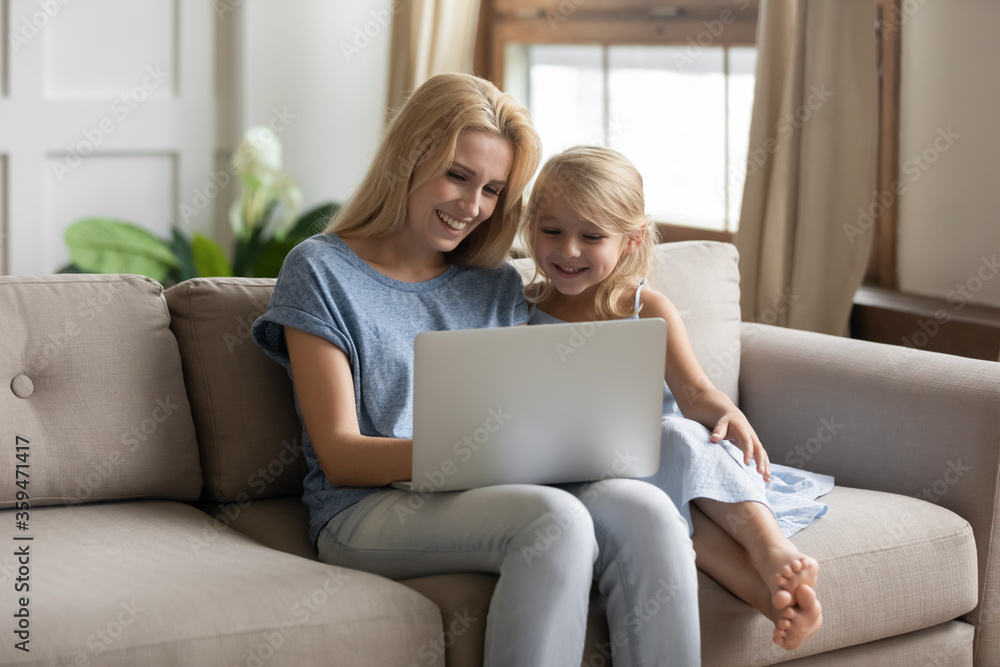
[(724, 559), (759, 560)]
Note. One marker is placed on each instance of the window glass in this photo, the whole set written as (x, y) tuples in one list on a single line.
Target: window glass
[(683, 121), (566, 95), (742, 75), (670, 114)]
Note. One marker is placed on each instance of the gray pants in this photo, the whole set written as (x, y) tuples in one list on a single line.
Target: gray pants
[(547, 543)]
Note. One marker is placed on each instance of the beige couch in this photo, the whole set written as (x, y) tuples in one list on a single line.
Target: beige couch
[(165, 470)]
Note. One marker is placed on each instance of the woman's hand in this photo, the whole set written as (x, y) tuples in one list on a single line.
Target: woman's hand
[(734, 427)]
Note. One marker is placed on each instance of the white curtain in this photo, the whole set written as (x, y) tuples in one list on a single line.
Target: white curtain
[(803, 242), (430, 37)]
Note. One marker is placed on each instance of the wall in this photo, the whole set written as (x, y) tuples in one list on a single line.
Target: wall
[(949, 214), (105, 109), (319, 67), (319, 70), (301, 55)]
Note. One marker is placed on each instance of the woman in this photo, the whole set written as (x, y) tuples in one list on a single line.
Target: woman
[(421, 246)]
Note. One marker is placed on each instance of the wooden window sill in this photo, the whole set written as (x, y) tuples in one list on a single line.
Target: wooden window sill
[(927, 323), (670, 233)]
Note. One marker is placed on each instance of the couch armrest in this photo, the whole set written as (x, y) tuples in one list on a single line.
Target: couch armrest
[(888, 418)]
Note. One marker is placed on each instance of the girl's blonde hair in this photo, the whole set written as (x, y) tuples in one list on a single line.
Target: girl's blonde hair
[(603, 187), (426, 130)]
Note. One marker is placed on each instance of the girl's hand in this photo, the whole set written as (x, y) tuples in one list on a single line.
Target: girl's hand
[(734, 427)]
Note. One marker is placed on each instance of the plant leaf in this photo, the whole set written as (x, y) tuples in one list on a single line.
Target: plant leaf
[(269, 261), (106, 245), (182, 248), (70, 268), (171, 279), (247, 251), (208, 257), (312, 222)]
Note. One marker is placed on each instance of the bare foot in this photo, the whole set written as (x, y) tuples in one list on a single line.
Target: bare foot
[(791, 570), (800, 620)]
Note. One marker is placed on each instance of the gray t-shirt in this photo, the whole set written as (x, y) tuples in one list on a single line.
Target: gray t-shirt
[(326, 290)]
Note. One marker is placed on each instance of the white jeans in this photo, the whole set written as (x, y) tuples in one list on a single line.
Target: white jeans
[(547, 543)]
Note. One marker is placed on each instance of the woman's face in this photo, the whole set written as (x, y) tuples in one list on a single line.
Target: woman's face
[(443, 211)]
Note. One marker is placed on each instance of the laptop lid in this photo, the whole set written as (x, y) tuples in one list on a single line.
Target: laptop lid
[(541, 404)]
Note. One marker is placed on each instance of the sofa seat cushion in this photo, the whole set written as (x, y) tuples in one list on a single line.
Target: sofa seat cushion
[(889, 564), (279, 523), (158, 583), (945, 645)]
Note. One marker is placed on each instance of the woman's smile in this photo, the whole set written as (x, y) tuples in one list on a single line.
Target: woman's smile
[(451, 222)]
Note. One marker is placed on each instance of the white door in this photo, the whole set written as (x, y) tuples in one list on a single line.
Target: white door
[(106, 108)]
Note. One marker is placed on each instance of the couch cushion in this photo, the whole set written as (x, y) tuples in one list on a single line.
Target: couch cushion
[(945, 645), (702, 279), (92, 382), (157, 583), (241, 401), (279, 523), (889, 565)]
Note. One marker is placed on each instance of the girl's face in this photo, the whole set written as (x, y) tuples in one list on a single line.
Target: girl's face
[(574, 253), (443, 211)]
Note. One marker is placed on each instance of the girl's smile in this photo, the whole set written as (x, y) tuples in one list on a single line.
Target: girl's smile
[(569, 272)]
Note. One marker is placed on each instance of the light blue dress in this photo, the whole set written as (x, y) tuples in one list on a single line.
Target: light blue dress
[(691, 466)]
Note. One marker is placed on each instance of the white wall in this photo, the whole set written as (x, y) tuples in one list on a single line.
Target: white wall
[(949, 215), (293, 58), (232, 63), (296, 62), (106, 109)]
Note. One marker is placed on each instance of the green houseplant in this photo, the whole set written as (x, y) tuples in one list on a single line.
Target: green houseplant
[(265, 220)]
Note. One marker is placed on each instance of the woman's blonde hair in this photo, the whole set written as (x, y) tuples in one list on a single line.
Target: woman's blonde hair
[(603, 187), (426, 130)]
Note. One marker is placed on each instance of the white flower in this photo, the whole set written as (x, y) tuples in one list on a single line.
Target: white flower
[(259, 154), (257, 161)]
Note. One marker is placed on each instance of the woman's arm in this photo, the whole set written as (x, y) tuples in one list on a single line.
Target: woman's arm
[(694, 392), (325, 388)]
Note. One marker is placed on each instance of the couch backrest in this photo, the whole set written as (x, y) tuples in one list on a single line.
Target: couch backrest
[(94, 406), (242, 401), (702, 279)]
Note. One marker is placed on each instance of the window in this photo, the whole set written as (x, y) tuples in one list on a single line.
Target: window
[(669, 86)]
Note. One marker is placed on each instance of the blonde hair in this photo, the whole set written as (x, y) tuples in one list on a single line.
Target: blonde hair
[(426, 130), (603, 187)]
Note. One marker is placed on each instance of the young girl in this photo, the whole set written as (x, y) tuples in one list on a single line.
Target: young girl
[(421, 245), (592, 243)]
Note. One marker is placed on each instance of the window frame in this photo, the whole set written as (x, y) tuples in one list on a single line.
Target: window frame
[(882, 270), (648, 21), (611, 23)]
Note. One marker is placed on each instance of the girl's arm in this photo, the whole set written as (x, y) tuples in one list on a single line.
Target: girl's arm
[(694, 392), (324, 384)]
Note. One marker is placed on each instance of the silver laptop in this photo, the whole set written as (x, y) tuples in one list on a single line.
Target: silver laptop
[(542, 404)]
